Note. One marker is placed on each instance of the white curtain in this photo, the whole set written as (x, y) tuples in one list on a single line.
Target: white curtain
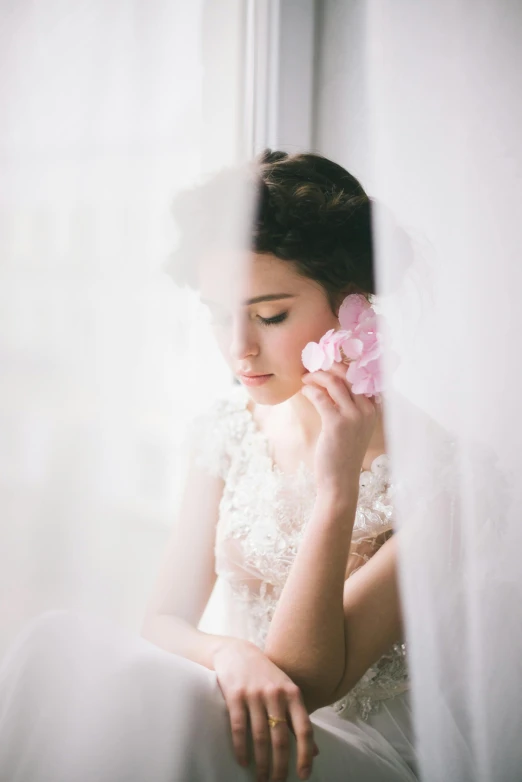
[(444, 82), (108, 110)]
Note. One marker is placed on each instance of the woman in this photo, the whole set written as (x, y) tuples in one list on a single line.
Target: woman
[(291, 478)]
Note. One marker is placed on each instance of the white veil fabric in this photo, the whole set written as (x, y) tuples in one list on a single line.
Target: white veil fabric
[(444, 82), (110, 110)]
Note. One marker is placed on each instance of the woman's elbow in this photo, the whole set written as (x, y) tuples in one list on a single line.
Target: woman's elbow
[(315, 691)]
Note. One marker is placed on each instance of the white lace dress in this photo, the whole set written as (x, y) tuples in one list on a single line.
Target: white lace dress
[(82, 699)]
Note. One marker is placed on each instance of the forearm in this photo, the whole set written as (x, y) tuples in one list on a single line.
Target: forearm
[(179, 637), (307, 637)]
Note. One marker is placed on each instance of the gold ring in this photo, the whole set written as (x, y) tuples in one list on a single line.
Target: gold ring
[(272, 721)]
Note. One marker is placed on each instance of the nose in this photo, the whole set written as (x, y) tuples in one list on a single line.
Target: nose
[(243, 342)]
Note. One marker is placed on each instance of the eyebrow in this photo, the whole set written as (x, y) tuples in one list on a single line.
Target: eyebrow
[(258, 299), (269, 297)]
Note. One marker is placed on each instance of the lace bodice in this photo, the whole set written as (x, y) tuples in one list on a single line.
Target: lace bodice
[(262, 516)]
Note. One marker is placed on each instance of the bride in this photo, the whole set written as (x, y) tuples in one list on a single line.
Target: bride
[(287, 513)]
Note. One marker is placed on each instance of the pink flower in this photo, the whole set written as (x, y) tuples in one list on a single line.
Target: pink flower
[(353, 310), (360, 341), (372, 347), (322, 354), (365, 379), (352, 347), (313, 357)]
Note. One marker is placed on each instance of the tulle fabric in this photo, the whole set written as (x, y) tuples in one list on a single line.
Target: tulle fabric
[(84, 699), (445, 119)]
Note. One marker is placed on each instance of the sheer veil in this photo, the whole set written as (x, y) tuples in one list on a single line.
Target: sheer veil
[(110, 111), (443, 81), (113, 115)]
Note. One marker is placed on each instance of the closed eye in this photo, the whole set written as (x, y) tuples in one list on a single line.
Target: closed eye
[(272, 321)]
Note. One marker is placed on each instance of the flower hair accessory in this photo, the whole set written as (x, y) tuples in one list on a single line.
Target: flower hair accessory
[(358, 341)]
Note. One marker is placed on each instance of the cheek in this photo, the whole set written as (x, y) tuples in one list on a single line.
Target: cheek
[(288, 344), (286, 348)]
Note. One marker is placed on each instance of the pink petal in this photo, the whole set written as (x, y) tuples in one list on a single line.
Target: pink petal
[(351, 310), (359, 378), (368, 320), (312, 356), (369, 338), (374, 370), (334, 342), (365, 379), (328, 348), (329, 356), (352, 347), (370, 355), (326, 337)]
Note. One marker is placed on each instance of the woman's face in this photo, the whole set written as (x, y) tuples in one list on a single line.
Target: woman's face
[(263, 325)]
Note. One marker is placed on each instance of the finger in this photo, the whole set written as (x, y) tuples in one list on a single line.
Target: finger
[(336, 387), (321, 400), (280, 735), (238, 713), (362, 402), (260, 736), (340, 370), (366, 405), (304, 734)]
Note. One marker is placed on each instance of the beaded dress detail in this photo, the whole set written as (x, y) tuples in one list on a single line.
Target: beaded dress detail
[(262, 516)]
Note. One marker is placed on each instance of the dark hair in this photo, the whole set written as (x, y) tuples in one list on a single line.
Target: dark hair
[(313, 212), (308, 211)]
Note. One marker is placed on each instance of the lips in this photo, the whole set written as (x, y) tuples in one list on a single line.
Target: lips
[(254, 380)]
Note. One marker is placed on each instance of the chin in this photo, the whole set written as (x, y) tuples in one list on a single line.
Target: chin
[(275, 395)]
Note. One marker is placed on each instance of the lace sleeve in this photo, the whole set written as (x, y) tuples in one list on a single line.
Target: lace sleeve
[(363, 550), (374, 519), (216, 433)]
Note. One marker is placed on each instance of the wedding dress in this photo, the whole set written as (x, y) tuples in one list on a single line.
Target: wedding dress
[(83, 699)]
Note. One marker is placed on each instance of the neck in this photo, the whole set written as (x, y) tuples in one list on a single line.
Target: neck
[(307, 419)]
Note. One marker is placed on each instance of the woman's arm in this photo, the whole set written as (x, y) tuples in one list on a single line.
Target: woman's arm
[(250, 683), (187, 575), (307, 633), (326, 630), (324, 650), (179, 637), (372, 616)]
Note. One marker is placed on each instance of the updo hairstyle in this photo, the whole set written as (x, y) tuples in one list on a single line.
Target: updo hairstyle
[(308, 211)]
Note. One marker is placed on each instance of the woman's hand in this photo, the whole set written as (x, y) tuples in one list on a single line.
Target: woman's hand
[(348, 421), (253, 688)]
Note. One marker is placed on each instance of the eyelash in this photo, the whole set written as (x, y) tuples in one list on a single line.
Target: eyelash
[(272, 321), (264, 321)]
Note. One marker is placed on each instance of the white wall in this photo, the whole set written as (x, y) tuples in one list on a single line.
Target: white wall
[(340, 128)]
